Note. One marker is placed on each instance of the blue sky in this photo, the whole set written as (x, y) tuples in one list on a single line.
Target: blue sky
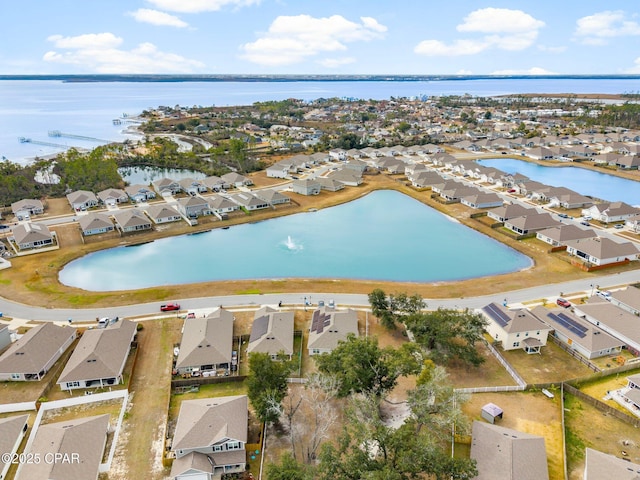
[(319, 37)]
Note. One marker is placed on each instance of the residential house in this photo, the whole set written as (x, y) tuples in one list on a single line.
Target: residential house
[(457, 192), (482, 200), (515, 328), (578, 334), (280, 169), (26, 208), (504, 454), (631, 392), (34, 353), (531, 223), (612, 319), (602, 251), (95, 223), (329, 327), (162, 213), (139, 193), (348, 177), (330, 184), (131, 220), (206, 343), (82, 200), (99, 358), (249, 201), (193, 207), (357, 165), (540, 153), (166, 186), (598, 465), (628, 299), (611, 212), (210, 437), (191, 186), (338, 154), (5, 337), (81, 441), (628, 162), (31, 235), (236, 180), (272, 197), (560, 235), (425, 179), (306, 186), (113, 196), (221, 205), (272, 333), (12, 430), (215, 184)]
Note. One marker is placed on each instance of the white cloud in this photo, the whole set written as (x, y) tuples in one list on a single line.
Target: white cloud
[(436, 48), (196, 6), (103, 56), (293, 39), (336, 62), (155, 17), (545, 48), (90, 40), (464, 72), (503, 28), (635, 69), (598, 28), (530, 71)]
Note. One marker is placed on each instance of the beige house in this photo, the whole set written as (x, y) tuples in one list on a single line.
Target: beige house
[(99, 358), (602, 251), (210, 438), (515, 328), (329, 327), (558, 236), (306, 187), (132, 220), (82, 440), (163, 214), (82, 200), (32, 355), (32, 235), (206, 343), (27, 207), (95, 223), (272, 333)]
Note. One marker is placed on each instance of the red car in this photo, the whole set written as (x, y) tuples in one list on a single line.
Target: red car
[(563, 303), (168, 307)]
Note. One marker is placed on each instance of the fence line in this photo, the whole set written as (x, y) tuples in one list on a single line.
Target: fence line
[(17, 407), (519, 380), (296, 380), (603, 407), (506, 388), (575, 354)]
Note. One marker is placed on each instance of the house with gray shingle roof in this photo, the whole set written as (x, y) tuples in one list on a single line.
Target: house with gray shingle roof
[(515, 329), (210, 438), (628, 299), (192, 207), (27, 207), (482, 200), (614, 320), (504, 454), (132, 220), (206, 343), (163, 213), (599, 465), (215, 184), (99, 358), (31, 235), (113, 196), (602, 251), (236, 180), (221, 205), (139, 193), (611, 212), (306, 186), (250, 201), (82, 200), (531, 223), (506, 212), (272, 197), (560, 235), (351, 178), (95, 223), (330, 184), (166, 186), (12, 430), (82, 439), (32, 355), (330, 326), (192, 186), (272, 333)]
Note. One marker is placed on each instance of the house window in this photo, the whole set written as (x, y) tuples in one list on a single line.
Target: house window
[(217, 448), (516, 344), (73, 384), (15, 376), (233, 445), (517, 335), (316, 351)]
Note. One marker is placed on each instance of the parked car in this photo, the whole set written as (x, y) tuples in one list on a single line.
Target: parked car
[(604, 294), (563, 215), (563, 302), (168, 307), (619, 226), (585, 223), (511, 190)]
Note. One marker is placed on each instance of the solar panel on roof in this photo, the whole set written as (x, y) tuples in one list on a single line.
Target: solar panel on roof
[(259, 328), (569, 323), (500, 317)]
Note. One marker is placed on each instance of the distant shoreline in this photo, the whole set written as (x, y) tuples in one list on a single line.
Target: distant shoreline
[(303, 78)]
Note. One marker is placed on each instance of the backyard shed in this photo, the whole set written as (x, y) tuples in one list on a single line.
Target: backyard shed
[(491, 412)]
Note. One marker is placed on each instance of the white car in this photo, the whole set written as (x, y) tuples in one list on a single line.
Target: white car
[(603, 294)]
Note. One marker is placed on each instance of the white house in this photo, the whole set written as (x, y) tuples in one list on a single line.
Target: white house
[(515, 328)]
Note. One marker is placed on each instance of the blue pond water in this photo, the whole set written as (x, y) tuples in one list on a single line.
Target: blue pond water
[(587, 182), (384, 236)]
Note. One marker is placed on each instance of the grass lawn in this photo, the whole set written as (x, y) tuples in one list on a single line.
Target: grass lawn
[(585, 426), (489, 374), (599, 387), (552, 364)]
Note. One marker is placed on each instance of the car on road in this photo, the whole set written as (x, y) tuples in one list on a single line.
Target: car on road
[(585, 223), (563, 302), (563, 215), (169, 307), (604, 294), (618, 226), (511, 190)]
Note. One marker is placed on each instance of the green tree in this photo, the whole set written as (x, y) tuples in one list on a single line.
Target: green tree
[(363, 367), (394, 308), (289, 469), (267, 385)]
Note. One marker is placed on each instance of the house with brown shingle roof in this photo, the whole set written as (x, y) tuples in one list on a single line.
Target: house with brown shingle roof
[(113, 196), (272, 333), (611, 212), (82, 200), (206, 343), (27, 207), (31, 235), (132, 220), (330, 326), (628, 299), (99, 358), (602, 250), (82, 440), (12, 430), (560, 235), (506, 212), (95, 223), (163, 213), (210, 438), (504, 454), (32, 355), (599, 465), (515, 329), (531, 223)]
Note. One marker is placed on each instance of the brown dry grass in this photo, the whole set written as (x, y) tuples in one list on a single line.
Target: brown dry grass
[(34, 279)]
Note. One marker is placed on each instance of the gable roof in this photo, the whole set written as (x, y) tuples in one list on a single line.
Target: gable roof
[(566, 232), (600, 465), (162, 211), (503, 453), (10, 430), (513, 321), (330, 326), (31, 352), (31, 232), (206, 341), (271, 332), (207, 421), (100, 353), (84, 436), (94, 221), (603, 247), (131, 217)]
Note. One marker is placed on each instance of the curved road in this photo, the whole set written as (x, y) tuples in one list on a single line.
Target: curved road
[(577, 287)]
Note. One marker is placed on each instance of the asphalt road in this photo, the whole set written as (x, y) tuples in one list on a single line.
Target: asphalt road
[(577, 287)]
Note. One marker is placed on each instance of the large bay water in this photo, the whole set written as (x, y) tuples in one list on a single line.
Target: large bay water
[(587, 182), (384, 236), (31, 108)]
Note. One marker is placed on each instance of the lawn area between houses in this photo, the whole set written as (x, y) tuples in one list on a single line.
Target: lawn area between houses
[(598, 387)]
